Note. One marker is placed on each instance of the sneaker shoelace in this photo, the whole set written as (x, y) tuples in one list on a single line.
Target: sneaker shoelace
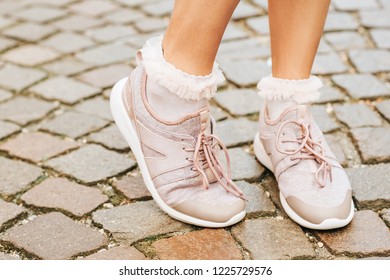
[(307, 149), (205, 156)]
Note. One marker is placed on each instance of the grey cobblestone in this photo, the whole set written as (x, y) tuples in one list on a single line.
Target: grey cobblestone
[(91, 163), (64, 89), (54, 236), (74, 124), (371, 142), (23, 110), (72, 52), (375, 179), (362, 85), (357, 115), (273, 239), (12, 182), (136, 221)]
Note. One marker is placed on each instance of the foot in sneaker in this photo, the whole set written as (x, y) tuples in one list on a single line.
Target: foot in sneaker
[(314, 189), (178, 159)]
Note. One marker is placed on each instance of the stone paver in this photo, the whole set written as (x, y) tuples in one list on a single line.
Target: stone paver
[(373, 143), (105, 76), (12, 182), (136, 221), (333, 141), (337, 21), (98, 107), (330, 94), (375, 18), (7, 128), (68, 42), (37, 146), (362, 85), (217, 113), (322, 118), (245, 72), (273, 239), (29, 31), (66, 66), (91, 163), (354, 240), (74, 124), (357, 115), (374, 178), (109, 137), (258, 203), (370, 60), (4, 95), (105, 54), (206, 244), (65, 89), (346, 5), (133, 186), (346, 40), (117, 253), (39, 14), (244, 131), (110, 32), (381, 38), (60, 193), (76, 23), (386, 216), (384, 108), (30, 55), (92, 7), (239, 102), (9, 211), (23, 110), (18, 78), (54, 236), (243, 165), (328, 63)]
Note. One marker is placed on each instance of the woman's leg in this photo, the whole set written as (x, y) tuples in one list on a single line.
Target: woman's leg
[(296, 28), (314, 189), (194, 33)]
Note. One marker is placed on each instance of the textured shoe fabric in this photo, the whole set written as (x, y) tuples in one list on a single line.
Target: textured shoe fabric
[(178, 160), (314, 188)]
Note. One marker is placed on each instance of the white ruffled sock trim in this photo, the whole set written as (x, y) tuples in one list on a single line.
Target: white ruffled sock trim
[(186, 86), (300, 91)]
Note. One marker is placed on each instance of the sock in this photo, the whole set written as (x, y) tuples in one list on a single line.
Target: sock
[(172, 93), (280, 94)]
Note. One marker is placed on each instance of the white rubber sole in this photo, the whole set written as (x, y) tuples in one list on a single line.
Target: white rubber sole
[(262, 156), (125, 126)]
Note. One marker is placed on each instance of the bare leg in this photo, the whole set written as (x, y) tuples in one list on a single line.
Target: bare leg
[(296, 27), (193, 36)]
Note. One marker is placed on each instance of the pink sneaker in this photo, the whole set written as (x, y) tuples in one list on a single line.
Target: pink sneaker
[(178, 160), (314, 189)]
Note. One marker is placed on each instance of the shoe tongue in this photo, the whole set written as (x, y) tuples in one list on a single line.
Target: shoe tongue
[(204, 117), (294, 131)]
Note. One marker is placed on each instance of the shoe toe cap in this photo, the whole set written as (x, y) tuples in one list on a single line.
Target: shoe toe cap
[(317, 215), (216, 213)]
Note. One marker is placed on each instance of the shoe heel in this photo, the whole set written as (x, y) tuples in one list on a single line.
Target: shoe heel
[(261, 154)]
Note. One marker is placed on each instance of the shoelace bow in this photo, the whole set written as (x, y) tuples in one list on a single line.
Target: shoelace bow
[(309, 150), (205, 157)]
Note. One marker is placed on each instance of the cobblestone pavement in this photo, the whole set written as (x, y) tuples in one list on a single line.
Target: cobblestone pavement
[(70, 187)]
